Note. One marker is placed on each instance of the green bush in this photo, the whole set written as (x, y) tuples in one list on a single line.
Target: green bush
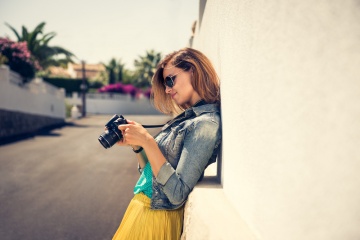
[(68, 110), (69, 84)]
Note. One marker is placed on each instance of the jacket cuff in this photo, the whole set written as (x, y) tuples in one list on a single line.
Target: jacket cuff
[(165, 173)]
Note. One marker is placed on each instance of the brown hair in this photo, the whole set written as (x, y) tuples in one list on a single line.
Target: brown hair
[(204, 79)]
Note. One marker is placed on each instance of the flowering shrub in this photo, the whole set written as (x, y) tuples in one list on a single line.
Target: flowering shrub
[(147, 92), (122, 88), (18, 58)]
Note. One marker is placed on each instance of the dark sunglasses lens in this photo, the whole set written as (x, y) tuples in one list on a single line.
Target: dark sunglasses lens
[(169, 82)]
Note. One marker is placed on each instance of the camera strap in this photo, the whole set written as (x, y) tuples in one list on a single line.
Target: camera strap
[(199, 103), (153, 126)]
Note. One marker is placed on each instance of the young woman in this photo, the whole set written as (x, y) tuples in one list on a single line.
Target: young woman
[(171, 163)]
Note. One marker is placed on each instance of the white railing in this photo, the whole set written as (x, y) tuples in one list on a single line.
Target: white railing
[(108, 96), (111, 103)]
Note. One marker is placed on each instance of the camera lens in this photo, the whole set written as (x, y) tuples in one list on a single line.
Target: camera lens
[(109, 138), (103, 142)]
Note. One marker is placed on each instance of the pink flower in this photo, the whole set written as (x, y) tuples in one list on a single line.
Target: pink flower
[(19, 57), (121, 88)]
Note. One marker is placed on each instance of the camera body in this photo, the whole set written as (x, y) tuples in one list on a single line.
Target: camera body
[(112, 135)]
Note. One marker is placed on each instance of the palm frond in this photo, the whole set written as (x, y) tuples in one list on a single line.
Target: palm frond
[(14, 31), (47, 37), (25, 34)]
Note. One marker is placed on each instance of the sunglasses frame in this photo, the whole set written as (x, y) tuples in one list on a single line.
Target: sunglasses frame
[(169, 80)]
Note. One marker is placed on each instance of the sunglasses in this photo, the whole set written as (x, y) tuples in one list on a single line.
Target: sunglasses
[(169, 80)]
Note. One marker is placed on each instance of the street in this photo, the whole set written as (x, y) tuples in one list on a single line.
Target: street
[(65, 185)]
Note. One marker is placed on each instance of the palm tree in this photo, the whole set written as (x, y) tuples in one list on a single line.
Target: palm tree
[(38, 45), (110, 68), (120, 71), (115, 71), (145, 68)]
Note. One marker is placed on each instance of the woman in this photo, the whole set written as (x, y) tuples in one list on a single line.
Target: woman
[(172, 163)]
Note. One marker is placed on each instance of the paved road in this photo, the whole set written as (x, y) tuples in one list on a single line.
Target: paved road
[(65, 185)]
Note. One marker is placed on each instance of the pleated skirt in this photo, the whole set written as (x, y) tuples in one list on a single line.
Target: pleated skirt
[(140, 222)]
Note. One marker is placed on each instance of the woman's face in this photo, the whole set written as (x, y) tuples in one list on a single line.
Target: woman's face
[(182, 91)]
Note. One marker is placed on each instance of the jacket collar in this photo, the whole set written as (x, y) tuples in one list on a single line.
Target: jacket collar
[(206, 108), (197, 111)]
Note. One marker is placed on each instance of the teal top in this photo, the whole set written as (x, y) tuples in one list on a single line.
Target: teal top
[(144, 184)]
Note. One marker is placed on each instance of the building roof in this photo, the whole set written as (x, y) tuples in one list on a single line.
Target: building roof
[(91, 70), (74, 70)]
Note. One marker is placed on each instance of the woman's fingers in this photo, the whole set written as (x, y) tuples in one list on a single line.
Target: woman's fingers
[(131, 122), (133, 133), (121, 143)]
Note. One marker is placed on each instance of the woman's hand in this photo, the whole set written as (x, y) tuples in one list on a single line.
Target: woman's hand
[(133, 134), (121, 142), (136, 135)]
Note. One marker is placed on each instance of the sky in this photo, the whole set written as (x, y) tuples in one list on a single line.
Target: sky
[(97, 31)]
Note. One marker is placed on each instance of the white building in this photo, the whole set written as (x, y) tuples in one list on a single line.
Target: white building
[(290, 86)]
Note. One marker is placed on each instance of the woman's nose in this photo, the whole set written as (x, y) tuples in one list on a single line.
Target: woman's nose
[(167, 89)]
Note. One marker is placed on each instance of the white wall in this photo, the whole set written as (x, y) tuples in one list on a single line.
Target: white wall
[(290, 84), (104, 103), (41, 98), (36, 97)]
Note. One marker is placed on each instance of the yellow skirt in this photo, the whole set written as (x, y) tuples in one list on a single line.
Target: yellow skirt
[(141, 222)]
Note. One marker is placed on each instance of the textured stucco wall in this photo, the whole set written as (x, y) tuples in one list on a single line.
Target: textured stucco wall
[(291, 113)]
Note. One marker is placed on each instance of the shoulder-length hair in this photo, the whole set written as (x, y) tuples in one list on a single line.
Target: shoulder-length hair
[(204, 80)]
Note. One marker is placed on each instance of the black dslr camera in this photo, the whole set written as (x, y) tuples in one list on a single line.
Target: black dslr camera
[(112, 134)]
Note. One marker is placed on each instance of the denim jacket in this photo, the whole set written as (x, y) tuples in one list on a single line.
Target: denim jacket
[(190, 142)]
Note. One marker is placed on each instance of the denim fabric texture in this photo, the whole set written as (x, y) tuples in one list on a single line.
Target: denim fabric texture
[(190, 142)]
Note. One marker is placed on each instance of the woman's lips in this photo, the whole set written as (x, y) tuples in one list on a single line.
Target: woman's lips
[(172, 95)]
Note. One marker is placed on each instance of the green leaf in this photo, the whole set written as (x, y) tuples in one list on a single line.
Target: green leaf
[(14, 31)]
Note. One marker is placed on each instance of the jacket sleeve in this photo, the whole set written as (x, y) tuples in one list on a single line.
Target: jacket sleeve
[(199, 144)]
